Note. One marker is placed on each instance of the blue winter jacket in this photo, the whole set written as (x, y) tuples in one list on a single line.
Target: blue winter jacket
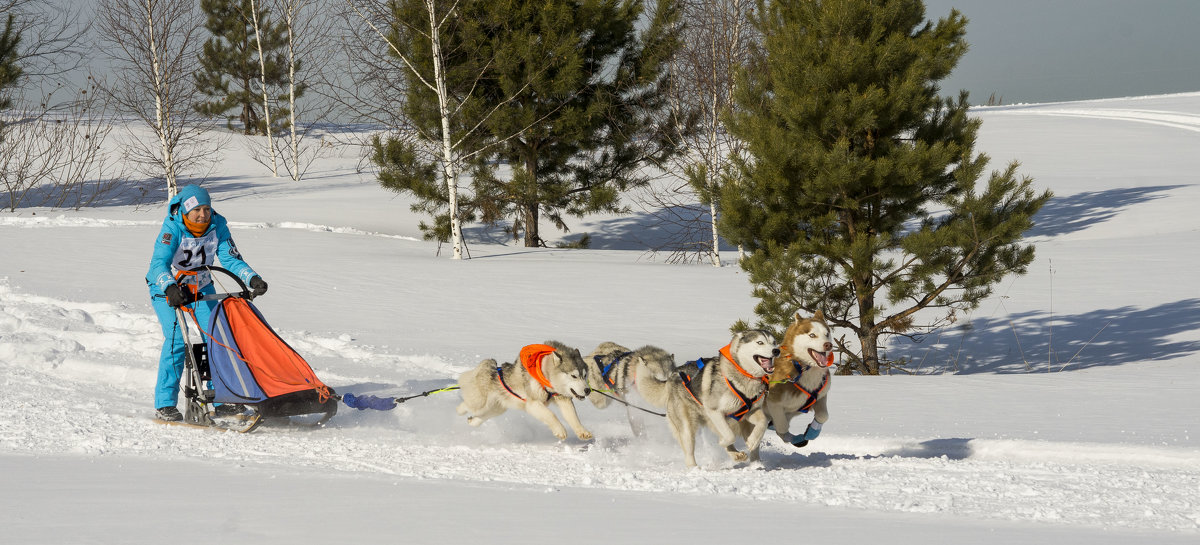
[(176, 249)]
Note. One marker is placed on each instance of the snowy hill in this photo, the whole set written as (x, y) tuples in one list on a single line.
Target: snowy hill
[(1064, 412)]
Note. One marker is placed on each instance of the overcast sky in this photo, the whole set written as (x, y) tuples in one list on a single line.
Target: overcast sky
[(1053, 50)]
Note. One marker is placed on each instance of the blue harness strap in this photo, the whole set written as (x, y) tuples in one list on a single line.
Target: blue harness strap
[(605, 370), (500, 375)]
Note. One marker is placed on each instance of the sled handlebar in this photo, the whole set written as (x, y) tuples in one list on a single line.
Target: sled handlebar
[(244, 293)]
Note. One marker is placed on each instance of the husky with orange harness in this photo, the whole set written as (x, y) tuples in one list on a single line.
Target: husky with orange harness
[(718, 392), (541, 373), (801, 379)]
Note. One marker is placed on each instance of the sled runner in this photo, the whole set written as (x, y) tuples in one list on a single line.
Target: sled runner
[(244, 365)]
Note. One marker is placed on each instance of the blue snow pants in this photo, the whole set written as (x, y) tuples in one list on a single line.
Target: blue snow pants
[(170, 361)]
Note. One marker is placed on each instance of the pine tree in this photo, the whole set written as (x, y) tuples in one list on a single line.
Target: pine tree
[(861, 197), (10, 71), (230, 71), (583, 91), (569, 94), (408, 164)]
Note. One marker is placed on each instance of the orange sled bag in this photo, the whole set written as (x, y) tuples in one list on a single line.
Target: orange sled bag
[(251, 365)]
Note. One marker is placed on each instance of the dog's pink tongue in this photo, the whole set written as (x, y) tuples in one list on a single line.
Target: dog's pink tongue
[(822, 359), (765, 363)]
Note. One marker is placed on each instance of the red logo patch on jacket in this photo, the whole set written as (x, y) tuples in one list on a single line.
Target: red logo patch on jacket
[(166, 239)]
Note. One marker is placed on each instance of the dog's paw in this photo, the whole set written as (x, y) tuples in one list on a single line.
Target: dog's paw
[(474, 421), (585, 435), (738, 456), (560, 434), (813, 431)]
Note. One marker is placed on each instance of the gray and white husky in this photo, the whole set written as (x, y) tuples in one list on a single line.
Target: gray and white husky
[(542, 372), (611, 370), (718, 392)]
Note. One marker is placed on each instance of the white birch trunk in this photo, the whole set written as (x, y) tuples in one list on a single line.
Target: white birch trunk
[(295, 144), (449, 167), (716, 239), (710, 173), (262, 70), (160, 117)]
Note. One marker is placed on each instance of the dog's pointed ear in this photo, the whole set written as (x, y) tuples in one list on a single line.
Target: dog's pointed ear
[(819, 316), (799, 319)]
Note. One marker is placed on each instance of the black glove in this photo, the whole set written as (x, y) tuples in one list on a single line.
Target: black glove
[(176, 297), (258, 286)]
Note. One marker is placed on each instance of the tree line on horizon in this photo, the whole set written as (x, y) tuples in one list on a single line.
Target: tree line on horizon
[(812, 136)]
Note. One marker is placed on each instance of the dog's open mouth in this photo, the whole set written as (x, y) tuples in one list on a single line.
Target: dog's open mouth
[(766, 362), (578, 395), (822, 359)]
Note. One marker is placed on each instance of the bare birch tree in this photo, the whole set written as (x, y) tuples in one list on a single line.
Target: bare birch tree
[(309, 33), (379, 16), (291, 12), (41, 45), (266, 96), (716, 43), (52, 133), (152, 44), (57, 157), (458, 138), (51, 39)]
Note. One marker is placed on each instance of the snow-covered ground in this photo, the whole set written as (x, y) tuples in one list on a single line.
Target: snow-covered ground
[(1065, 413)]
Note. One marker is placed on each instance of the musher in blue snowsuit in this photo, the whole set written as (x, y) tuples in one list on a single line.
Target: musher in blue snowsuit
[(192, 235)]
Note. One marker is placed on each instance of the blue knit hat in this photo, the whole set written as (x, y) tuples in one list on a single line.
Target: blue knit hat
[(190, 197)]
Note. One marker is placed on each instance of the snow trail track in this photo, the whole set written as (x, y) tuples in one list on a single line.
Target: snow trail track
[(97, 361), (1098, 109)]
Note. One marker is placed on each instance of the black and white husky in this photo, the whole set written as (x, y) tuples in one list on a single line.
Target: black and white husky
[(717, 392)]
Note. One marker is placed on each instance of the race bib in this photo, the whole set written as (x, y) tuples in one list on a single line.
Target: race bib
[(191, 254)]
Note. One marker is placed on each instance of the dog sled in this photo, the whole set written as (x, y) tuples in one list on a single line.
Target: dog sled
[(242, 363)]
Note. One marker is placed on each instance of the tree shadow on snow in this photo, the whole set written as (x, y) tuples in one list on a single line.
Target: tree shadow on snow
[(952, 449), (956, 448), (666, 229), (1037, 342), (1071, 213)]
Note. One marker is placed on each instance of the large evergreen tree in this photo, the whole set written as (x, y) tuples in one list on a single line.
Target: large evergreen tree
[(231, 73), (590, 109), (861, 195), (10, 71), (410, 162), (572, 97)]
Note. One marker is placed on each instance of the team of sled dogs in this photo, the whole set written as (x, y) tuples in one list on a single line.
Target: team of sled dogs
[(750, 386)]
